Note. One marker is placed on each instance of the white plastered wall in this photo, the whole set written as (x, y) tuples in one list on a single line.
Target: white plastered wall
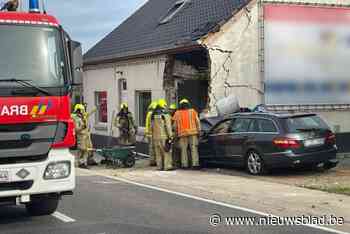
[(144, 74), (234, 58)]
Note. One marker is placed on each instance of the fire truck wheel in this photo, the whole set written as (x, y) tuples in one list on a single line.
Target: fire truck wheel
[(43, 206)]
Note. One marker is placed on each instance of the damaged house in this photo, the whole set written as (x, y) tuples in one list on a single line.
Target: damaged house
[(157, 53), (203, 50)]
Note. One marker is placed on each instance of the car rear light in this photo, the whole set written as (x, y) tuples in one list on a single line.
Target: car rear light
[(286, 143), (331, 139)]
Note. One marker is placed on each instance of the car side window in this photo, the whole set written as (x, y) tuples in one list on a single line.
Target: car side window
[(254, 126), (240, 125), (267, 125), (222, 127)]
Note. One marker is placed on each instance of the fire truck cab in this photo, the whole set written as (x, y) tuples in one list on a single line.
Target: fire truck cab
[(39, 64)]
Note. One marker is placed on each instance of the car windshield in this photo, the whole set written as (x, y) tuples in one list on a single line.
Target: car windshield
[(305, 123), (32, 53)]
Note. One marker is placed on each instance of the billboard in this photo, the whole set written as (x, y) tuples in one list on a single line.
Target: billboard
[(307, 54)]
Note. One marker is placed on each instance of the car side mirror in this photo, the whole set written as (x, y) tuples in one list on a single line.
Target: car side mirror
[(76, 56)]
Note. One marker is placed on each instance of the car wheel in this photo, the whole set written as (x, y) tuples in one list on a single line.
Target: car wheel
[(329, 165), (254, 163), (43, 206), (325, 167)]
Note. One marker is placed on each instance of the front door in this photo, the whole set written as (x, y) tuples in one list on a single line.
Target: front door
[(236, 140), (218, 138)]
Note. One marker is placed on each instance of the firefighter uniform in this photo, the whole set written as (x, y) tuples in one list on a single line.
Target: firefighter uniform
[(82, 134), (87, 115), (148, 133), (172, 109), (187, 127), (124, 121), (162, 134), (176, 152)]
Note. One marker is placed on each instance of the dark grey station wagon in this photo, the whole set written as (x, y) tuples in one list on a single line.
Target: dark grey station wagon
[(262, 141)]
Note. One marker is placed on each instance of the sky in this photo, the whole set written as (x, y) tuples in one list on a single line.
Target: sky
[(87, 21)]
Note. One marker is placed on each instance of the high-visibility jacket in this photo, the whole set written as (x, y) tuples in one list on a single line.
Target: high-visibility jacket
[(148, 130), (186, 123)]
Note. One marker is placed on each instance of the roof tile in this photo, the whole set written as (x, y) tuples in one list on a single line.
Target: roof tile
[(142, 32)]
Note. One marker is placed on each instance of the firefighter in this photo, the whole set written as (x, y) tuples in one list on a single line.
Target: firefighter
[(175, 153), (187, 127), (11, 5), (87, 115), (82, 132), (148, 133), (162, 134), (126, 125), (172, 109)]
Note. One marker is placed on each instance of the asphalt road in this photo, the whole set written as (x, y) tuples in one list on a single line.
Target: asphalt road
[(101, 205)]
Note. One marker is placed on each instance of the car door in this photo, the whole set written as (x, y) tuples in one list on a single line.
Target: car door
[(263, 137), (235, 141), (204, 148), (216, 139)]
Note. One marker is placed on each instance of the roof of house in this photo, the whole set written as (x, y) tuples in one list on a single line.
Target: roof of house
[(142, 33)]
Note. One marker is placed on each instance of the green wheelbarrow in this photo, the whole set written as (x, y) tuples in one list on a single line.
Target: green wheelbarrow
[(118, 156)]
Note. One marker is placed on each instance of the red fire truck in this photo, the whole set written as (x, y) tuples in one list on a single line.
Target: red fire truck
[(39, 64)]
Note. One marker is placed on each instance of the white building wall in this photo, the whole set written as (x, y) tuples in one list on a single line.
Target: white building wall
[(100, 79), (141, 75), (240, 36), (234, 58), (337, 120)]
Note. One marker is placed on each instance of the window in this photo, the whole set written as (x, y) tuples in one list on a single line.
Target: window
[(302, 123), (174, 10), (123, 90), (254, 126), (32, 53), (143, 100), (101, 103), (262, 125), (241, 125), (123, 84), (267, 125), (223, 127)]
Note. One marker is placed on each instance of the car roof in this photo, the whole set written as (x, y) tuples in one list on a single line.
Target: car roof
[(271, 115)]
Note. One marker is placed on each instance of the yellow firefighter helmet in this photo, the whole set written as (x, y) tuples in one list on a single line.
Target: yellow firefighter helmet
[(162, 103), (184, 101), (123, 105), (173, 106), (79, 107), (152, 106)]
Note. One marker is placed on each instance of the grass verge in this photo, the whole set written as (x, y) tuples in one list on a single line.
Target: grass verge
[(333, 189)]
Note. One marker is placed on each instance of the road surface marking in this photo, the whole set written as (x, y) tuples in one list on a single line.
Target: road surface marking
[(63, 217), (208, 201), (106, 182)]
